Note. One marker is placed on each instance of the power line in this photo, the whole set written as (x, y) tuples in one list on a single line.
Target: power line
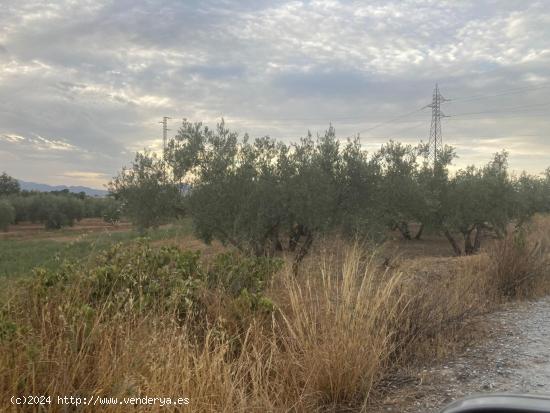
[(391, 120), (522, 116), (497, 137), (511, 91), (435, 129), (503, 110), (503, 92), (394, 133), (323, 119)]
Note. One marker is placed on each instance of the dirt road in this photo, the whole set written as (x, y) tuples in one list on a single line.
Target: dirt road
[(515, 358)]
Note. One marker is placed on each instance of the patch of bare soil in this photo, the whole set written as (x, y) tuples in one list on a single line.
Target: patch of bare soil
[(515, 357), (28, 230), (429, 246), (190, 243), (439, 267)]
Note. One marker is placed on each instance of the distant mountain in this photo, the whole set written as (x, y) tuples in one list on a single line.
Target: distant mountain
[(33, 186)]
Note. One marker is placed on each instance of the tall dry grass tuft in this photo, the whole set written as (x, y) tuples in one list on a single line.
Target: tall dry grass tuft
[(339, 330), (519, 264), (437, 309), (148, 356)]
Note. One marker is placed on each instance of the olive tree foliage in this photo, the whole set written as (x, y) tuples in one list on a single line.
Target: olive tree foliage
[(479, 200), (111, 211), (57, 209), (265, 196), (404, 190), (8, 185), (546, 191), (148, 194), (532, 195), (53, 210), (7, 215)]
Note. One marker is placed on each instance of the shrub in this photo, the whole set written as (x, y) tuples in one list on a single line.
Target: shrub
[(139, 278), (234, 272), (131, 280)]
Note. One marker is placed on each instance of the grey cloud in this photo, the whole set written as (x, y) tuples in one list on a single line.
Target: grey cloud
[(217, 72), (99, 74), (322, 83)]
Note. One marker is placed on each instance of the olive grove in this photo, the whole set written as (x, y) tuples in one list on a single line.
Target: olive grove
[(265, 196)]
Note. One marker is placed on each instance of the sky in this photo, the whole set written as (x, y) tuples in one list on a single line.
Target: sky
[(84, 83)]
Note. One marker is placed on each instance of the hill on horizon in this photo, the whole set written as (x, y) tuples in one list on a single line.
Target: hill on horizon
[(33, 186)]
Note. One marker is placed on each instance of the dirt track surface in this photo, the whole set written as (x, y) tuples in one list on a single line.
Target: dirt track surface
[(29, 230), (514, 358)]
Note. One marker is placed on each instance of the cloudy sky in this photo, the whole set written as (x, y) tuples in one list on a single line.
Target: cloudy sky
[(84, 83)]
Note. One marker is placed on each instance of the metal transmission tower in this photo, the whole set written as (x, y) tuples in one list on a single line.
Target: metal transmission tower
[(436, 137), (164, 132)]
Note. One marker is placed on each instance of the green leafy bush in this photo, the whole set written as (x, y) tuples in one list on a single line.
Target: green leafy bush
[(234, 272), (128, 280), (244, 279)]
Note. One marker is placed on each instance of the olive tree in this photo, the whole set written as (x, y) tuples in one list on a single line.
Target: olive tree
[(531, 196), (54, 211), (402, 194), (235, 188), (265, 196), (148, 194), (478, 200), (111, 210), (8, 185), (7, 215)]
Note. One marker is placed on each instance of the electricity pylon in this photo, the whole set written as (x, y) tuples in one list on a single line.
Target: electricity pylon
[(164, 132), (436, 137)]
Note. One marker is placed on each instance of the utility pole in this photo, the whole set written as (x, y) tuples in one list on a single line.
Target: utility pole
[(436, 137), (164, 133)]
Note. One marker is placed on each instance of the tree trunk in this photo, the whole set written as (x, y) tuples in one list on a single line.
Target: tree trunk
[(468, 247), (272, 240), (404, 229), (477, 239), (419, 233), (453, 243), (294, 238), (302, 252)]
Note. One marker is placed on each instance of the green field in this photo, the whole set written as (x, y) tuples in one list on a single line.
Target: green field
[(19, 256)]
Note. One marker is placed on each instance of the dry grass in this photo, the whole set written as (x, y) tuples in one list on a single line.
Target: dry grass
[(519, 264), (339, 329)]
